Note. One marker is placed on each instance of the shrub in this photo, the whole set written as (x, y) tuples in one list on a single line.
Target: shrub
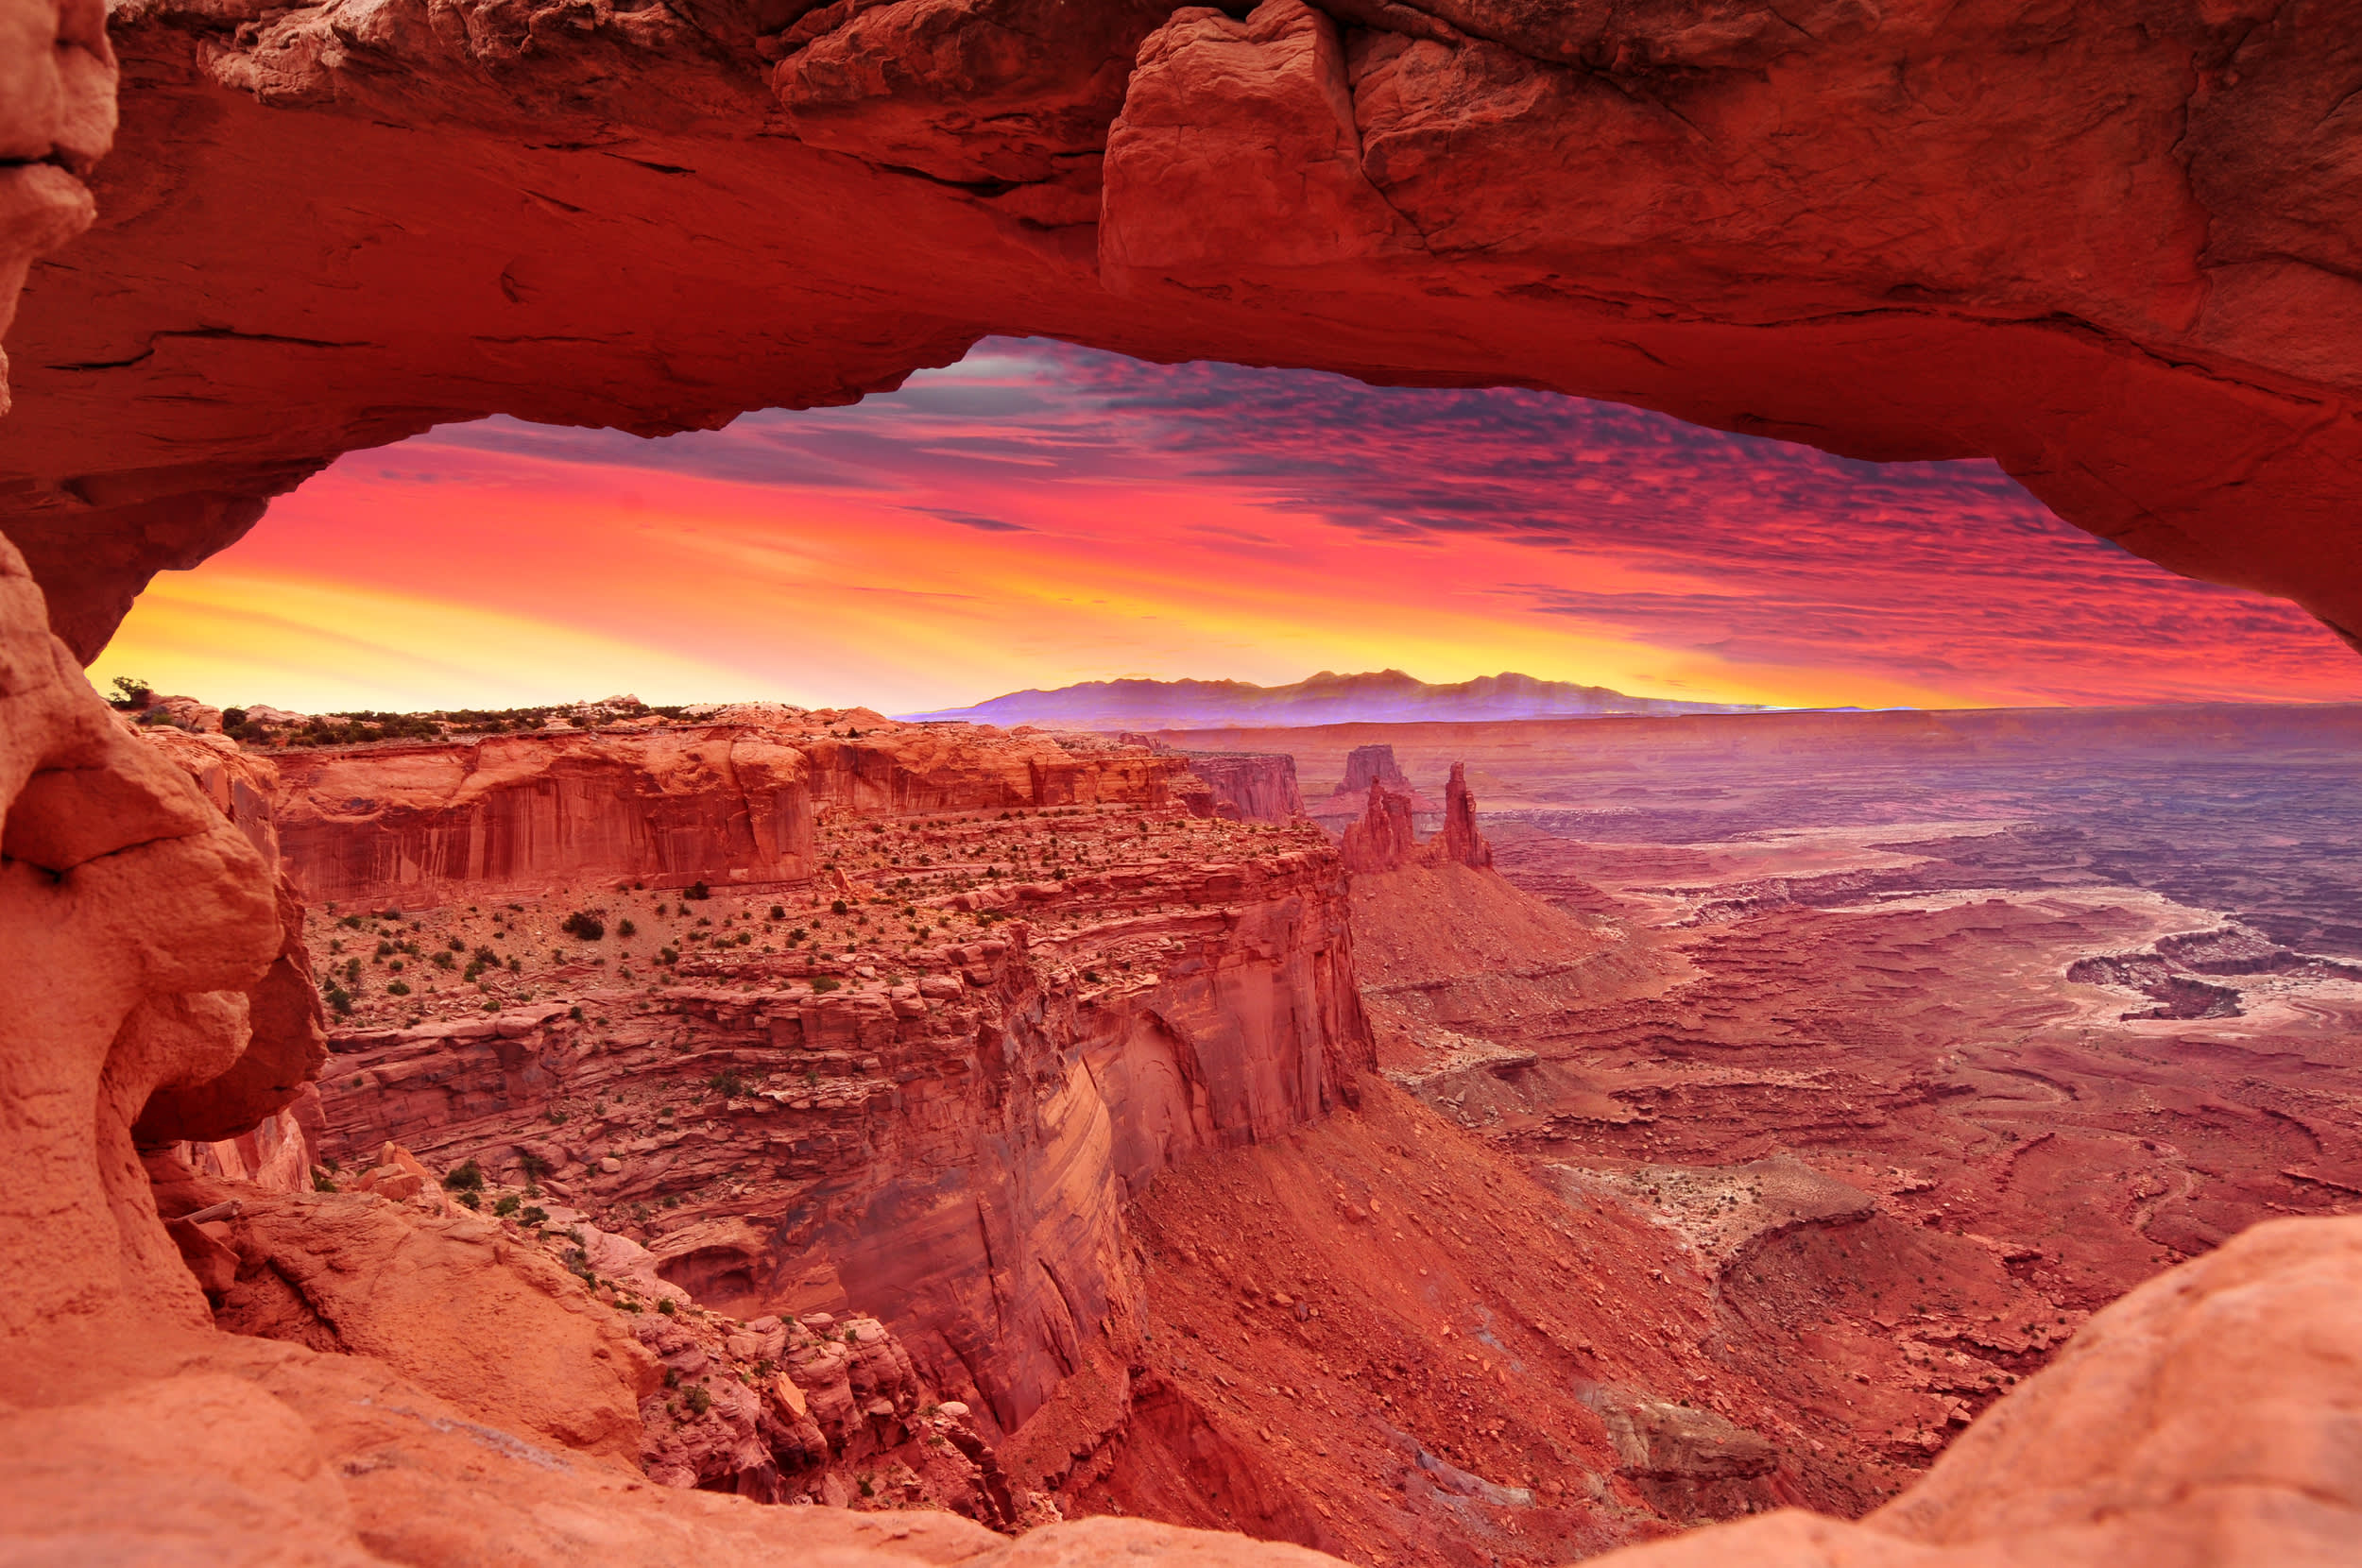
[(779, 911), (130, 691), (699, 890), (534, 1216), (471, 1200), (836, 907), (441, 959), (583, 924), (321, 1182), (508, 1205), (535, 1166), (699, 1400), (822, 982), (668, 955), (624, 927), (400, 988), (727, 1084), (339, 1000), (467, 1177), (665, 1306)]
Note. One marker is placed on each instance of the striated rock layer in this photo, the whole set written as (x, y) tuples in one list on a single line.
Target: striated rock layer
[(2110, 246), (948, 1143)]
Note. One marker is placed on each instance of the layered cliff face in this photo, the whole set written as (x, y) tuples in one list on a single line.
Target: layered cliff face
[(935, 1116), (726, 801), (413, 823), (1250, 786), (2109, 245)]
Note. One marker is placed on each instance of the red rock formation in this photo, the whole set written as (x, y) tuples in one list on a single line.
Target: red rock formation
[(1147, 1013), (408, 823), (2112, 249), (1383, 838), (1461, 843), (1368, 765), (1250, 786)]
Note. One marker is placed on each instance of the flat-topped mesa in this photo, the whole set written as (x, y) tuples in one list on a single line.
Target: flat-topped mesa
[(1368, 765), (728, 802), (1383, 837)]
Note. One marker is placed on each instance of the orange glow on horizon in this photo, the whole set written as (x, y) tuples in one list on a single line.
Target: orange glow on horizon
[(1014, 523)]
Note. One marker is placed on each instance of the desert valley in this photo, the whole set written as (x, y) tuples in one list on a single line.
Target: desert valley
[(1598, 1128), (1852, 1065)]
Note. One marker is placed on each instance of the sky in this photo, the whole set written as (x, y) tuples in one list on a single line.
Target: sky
[(1041, 514)]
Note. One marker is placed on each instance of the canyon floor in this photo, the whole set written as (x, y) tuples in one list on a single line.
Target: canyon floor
[(1791, 1089)]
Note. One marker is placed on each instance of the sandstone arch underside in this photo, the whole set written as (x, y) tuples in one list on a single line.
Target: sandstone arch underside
[(2116, 247)]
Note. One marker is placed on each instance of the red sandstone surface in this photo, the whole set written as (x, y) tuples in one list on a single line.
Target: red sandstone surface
[(1753, 1051), (2110, 246)]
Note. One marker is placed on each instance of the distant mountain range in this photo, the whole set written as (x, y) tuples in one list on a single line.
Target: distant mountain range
[(1384, 696)]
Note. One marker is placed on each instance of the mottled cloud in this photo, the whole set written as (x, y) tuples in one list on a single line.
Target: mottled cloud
[(1263, 517)]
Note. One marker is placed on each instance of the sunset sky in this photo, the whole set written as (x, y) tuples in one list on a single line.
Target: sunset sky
[(1039, 515)]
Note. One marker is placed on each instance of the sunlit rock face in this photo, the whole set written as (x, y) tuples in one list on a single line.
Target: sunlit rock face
[(2110, 246)]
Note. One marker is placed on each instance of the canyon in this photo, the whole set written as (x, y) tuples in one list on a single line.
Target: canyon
[(1646, 1195), (1939, 1121)]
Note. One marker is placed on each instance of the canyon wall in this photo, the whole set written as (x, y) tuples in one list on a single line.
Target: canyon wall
[(2110, 244), (723, 803), (428, 821), (1250, 786), (949, 1146)]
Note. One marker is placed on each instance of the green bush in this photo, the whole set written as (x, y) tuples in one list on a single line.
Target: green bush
[(466, 1176), (823, 982), (400, 988), (699, 890), (699, 1400), (836, 907), (624, 927), (585, 925), (508, 1205), (779, 911)]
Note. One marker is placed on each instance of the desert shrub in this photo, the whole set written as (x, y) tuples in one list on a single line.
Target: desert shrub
[(130, 691), (699, 1400), (321, 1182), (585, 925), (466, 1176), (535, 1166), (441, 958), (624, 927), (400, 988), (837, 906), (823, 982), (665, 1306), (471, 1200), (779, 911), (533, 1215), (727, 1084), (508, 1205), (699, 890)]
